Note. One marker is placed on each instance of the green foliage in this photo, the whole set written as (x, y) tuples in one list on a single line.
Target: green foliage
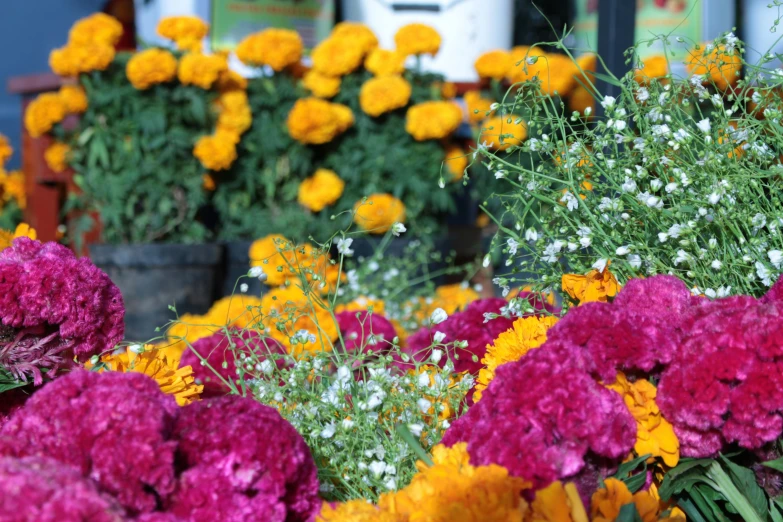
[(10, 215)]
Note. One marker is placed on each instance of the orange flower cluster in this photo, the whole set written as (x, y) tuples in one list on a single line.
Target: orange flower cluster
[(596, 285), (90, 46), (201, 70), (150, 67), (378, 213), (186, 32), (315, 121), (433, 120), (275, 48)]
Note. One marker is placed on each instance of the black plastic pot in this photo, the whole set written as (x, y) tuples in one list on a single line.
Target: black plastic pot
[(237, 263), (152, 277)]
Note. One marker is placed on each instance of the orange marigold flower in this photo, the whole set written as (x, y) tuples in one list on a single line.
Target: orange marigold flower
[(43, 113), (501, 132), (556, 503), (320, 190), (653, 67), (477, 107), (361, 35), (718, 65), (363, 304), (581, 99), (277, 48), (72, 60), (235, 115), (6, 151), (456, 162), (314, 121), (288, 310), (186, 31), (384, 94), (320, 85), (201, 70), (448, 90), (22, 230), (337, 56), (280, 259), (208, 182), (494, 64), (56, 156), (609, 500), (417, 39), (382, 62), (433, 120), (217, 151), (12, 187), (355, 511), (378, 212), (150, 67), (596, 285), (74, 98), (654, 434), (231, 81), (556, 72), (98, 28)]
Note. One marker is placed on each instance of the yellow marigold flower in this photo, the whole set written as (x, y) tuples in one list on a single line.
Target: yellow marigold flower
[(231, 81), (556, 71), (12, 187), (363, 304), (384, 94), (337, 56), (201, 70), (654, 434), (719, 66), (208, 182), (417, 39), (521, 68), (186, 31), (456, 162), (22, 230), (455, 297), (451, 489), (382, 62), (314, 121), (277, 48), (556, 503), (609, 500), (273, 253), (654, 67), (494, 64), (527, 333), (433, 120), (355, 511), (217, 151), (98, 28), (587, 62), (151, 66), (501, 132), (188, 329), (56, 156), (378, 213), (235, 310), (448, 90), (43, 113), (288, 310), (594, 286), (163, 368), (320, 190), (580, 99), (73, 60), (361, 35), (477, 107), (74, 98), (320, 85), (6, 151), (235, 114)]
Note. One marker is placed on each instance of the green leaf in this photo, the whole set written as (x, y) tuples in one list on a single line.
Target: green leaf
[(774, 511), (607, 79), (628, 513), (776, 464), (745, 480)]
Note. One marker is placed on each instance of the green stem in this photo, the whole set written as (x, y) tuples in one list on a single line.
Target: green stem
[(732, 494)]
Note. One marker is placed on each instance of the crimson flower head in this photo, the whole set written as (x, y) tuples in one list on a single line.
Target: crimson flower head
[(365, 331)]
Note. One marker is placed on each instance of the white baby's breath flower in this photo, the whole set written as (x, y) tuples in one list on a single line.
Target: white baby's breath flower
[(775, 257), (531, 235), (258, 273), (571, 201), (436, 356), (716, 264), (344, 246), (623, 250), (764, 273), (635, 261), (243, 288), (704, 125), (398, 228), (714, 198), (424, 405), (438, 337), (642, 94), (438, 316), (608, 102), (601, 265)]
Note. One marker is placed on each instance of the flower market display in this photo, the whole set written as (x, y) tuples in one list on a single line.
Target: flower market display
[(629, 367)]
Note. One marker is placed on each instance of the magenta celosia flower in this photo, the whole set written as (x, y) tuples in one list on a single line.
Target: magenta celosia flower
[(243, 462), (53, 306), (114, 428), (775, 293), (39, 489), (546, 418), (365, 331), (216, 350)]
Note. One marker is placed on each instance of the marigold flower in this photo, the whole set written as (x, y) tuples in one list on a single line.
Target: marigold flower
[(12, 187), (456, 162), (378, 213), (581, 99), (98, 28), (74, 98), (417, 39), (383, 62), (289, 311), (201, 70), (720, 66), (494, 64), (609, 500), (273, 252), (22, 230), (654, 67), (654, 434), (235, 115), (433, 120), (362, 304), (448, 90), (6, 151), (277, 48), (72, 60), (355, 511), (556, 503), (594, 286), (522, 69), (56, 156), (186, 31), (43, 113), (208, 182), (477, 107), (337, 56), (315, 122), (231, 81), (320, 85), (217, 151), (384, 94), (150, 67), (320, 190), (555, 71), (501, 132), (527, 333), (361, 35)]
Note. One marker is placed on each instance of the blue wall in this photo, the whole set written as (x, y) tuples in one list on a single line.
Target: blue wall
[(29, 29)]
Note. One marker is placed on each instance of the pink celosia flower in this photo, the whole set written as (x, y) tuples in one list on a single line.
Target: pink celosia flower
[(53, 306), (365, 331)]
